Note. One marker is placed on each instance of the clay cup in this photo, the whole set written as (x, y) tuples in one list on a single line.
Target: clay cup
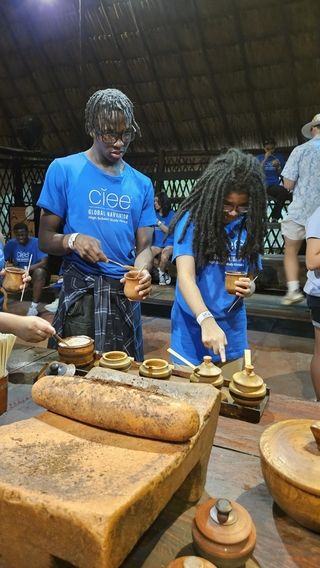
[(13, 279), (131, 282), (230, 278)]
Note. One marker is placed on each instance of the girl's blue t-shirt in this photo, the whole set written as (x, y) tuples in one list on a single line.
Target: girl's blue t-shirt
[(92, 202), (185, 332), (159, 237), (211, 278)]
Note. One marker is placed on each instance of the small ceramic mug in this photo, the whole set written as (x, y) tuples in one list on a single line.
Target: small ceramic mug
[(12, 280), (230, 278), (131, 282)]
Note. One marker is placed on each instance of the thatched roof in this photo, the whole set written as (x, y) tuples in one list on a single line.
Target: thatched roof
[(203, 74)]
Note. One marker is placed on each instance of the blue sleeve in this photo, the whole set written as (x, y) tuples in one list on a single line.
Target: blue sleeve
[(148, 217), (38, 254), (8, 250), (53, 194), (185, 247)]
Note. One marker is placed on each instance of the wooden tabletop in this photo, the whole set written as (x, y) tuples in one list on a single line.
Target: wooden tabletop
[(234, 472)]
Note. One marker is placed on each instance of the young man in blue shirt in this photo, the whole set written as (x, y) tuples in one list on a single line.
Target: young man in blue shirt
[(272, 163), (19, 251), (96, 207)]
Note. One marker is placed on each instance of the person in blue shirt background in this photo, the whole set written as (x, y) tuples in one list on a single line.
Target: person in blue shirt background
[(272, 163), (18, 251), (162, 245), (220, 226)]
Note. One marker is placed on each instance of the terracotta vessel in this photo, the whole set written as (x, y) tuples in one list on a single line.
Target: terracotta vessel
[(207, 372), (3, 394), (116, 360), (223, 532), (230, 278), (247, 388), (290, 462), (131, 281), (80, 350), (156, 369), (12, 279), (190, 562)]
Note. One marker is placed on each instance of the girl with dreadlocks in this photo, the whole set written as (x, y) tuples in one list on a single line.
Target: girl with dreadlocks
[(219, 226), (97, 207)]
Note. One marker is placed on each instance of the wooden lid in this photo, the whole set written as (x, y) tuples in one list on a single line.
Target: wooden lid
[(190, 562), (247, 378), (290, 448), (207, 368), (223, 521)]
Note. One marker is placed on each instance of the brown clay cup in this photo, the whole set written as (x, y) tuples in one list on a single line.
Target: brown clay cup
[(13, 279), (131, 282), (230, 278), (3, 393)]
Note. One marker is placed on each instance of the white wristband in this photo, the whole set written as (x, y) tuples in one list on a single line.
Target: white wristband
[(203, 316), (71, 240)]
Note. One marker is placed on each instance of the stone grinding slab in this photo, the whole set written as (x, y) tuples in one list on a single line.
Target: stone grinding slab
[(86, 495)]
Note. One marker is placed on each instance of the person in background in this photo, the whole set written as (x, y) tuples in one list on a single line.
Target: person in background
[(220, 226), (162, 245), (301, 176), (32, 328), (272, 163), (312, 290), (96, 207), (18, 251)]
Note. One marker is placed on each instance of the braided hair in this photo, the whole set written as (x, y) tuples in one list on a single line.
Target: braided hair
[(231, 172), (102, 105)]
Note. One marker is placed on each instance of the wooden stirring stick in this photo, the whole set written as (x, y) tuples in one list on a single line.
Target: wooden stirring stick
[(175, 354), (239, 297), (126, 266), (61, 340), (24, 285)]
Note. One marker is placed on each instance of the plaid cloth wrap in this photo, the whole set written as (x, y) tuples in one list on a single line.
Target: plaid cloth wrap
[(111, 311)]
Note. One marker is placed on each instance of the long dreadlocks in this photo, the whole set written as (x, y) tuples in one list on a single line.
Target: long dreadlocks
[(236, 172), (101, 106)]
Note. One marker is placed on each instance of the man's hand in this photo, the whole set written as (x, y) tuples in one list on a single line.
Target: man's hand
[(89, 249), (144, 287)]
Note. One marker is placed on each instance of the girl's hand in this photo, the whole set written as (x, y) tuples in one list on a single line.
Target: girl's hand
[(213, 338), (243, 287)]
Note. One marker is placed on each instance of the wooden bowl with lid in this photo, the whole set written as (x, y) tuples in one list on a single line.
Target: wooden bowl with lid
[(223, 533), (290, 462), (207, 372)]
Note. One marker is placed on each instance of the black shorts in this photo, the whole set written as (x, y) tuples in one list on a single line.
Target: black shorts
[(313, 303)]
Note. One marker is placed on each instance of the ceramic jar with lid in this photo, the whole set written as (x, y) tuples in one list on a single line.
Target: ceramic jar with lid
[(290, 463), (223, 533), (190, 562), (247, 388), (156, 369), (207, 372), (118, 360)]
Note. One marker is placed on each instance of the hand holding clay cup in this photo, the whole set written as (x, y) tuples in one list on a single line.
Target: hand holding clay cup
[(13, 279), (137, 284), (234, 282)]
